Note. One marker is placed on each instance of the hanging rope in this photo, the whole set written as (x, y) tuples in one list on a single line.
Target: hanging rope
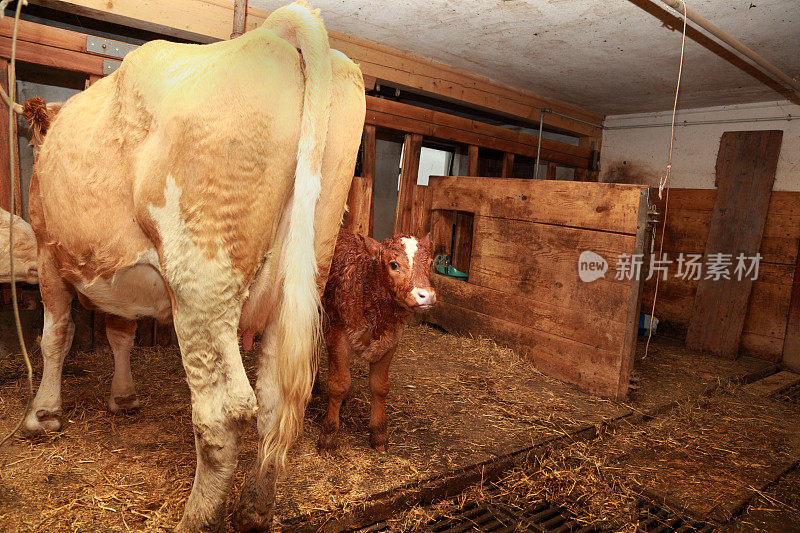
[(13, 107), (665, 180)]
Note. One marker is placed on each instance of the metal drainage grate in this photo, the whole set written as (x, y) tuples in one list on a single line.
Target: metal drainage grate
[(789, 394), (545, 518), (655, 518)]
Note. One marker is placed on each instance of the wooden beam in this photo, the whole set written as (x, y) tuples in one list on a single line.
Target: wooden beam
[(210, 20), (412, 119), (408, 180), (472, 160), (551, 170)]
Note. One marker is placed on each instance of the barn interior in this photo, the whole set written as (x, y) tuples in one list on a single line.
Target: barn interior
[(616, 342)]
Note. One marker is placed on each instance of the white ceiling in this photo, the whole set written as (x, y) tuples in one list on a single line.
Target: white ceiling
[(608, 56)]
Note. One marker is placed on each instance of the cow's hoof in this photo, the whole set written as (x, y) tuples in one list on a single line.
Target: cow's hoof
[(378, 442), (248, 518), (123, 404), (42, 421)]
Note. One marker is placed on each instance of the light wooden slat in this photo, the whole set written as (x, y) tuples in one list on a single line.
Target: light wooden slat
[(408, 180)]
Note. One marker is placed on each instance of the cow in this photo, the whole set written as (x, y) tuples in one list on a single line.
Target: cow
[(372, 290), (25, 269), (203, 184)]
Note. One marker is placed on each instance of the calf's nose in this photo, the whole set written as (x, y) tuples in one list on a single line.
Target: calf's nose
[(424, 297)]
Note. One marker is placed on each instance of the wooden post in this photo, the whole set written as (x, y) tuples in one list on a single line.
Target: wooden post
[(588, 143), (551, 170), (412, 145), (91, 80), (5, 170), (368, 166), (508, 165), (472, 160)]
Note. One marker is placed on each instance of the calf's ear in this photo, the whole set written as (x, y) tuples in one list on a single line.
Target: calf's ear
[(373, 247), (426, 241)]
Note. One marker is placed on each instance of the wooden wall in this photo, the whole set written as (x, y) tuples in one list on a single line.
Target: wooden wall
[(523, 288), (688, 221)]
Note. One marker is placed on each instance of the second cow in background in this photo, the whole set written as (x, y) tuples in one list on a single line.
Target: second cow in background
[(372, 290)]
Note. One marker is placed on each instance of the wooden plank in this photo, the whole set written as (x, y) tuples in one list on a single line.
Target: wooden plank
[(92, 79), (508, 165), (53, 57), (412, 145), (441, 232), (210, 20), (590, 369), (472, 160), (601, 206), (571, 323), (745, 168), (790, 351)]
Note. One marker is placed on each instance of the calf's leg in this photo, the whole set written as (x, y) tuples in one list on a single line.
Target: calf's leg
[(339, 356), (379, 385), (120, 333), (45, 412)]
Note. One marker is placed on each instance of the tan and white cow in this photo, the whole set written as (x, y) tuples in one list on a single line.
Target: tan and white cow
[(203, 184)]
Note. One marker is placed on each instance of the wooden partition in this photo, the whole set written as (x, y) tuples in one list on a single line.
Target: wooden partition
[(688, 222), (523, 287)]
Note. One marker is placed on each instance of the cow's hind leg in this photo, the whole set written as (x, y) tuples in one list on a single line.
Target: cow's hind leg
[(222, 403), (121, 332), (256, 503), (45, 412)]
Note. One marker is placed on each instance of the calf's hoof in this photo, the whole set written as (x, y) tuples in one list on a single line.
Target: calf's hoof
[(123, 404), (378, 442), (326, 443), (42, 421)]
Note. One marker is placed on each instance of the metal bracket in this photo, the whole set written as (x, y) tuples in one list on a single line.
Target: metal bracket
[(109, 66), (107, 47)]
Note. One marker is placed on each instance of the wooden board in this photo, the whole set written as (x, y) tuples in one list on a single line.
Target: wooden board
[(612, 207), (745, 169)]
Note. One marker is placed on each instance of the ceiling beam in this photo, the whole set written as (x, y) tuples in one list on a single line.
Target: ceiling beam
[(674, 21), (210, 20)]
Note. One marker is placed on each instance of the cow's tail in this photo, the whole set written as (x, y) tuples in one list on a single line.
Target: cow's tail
[(299, 318)]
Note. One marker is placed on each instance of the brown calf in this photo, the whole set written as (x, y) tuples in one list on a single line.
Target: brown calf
[(372, 289)]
